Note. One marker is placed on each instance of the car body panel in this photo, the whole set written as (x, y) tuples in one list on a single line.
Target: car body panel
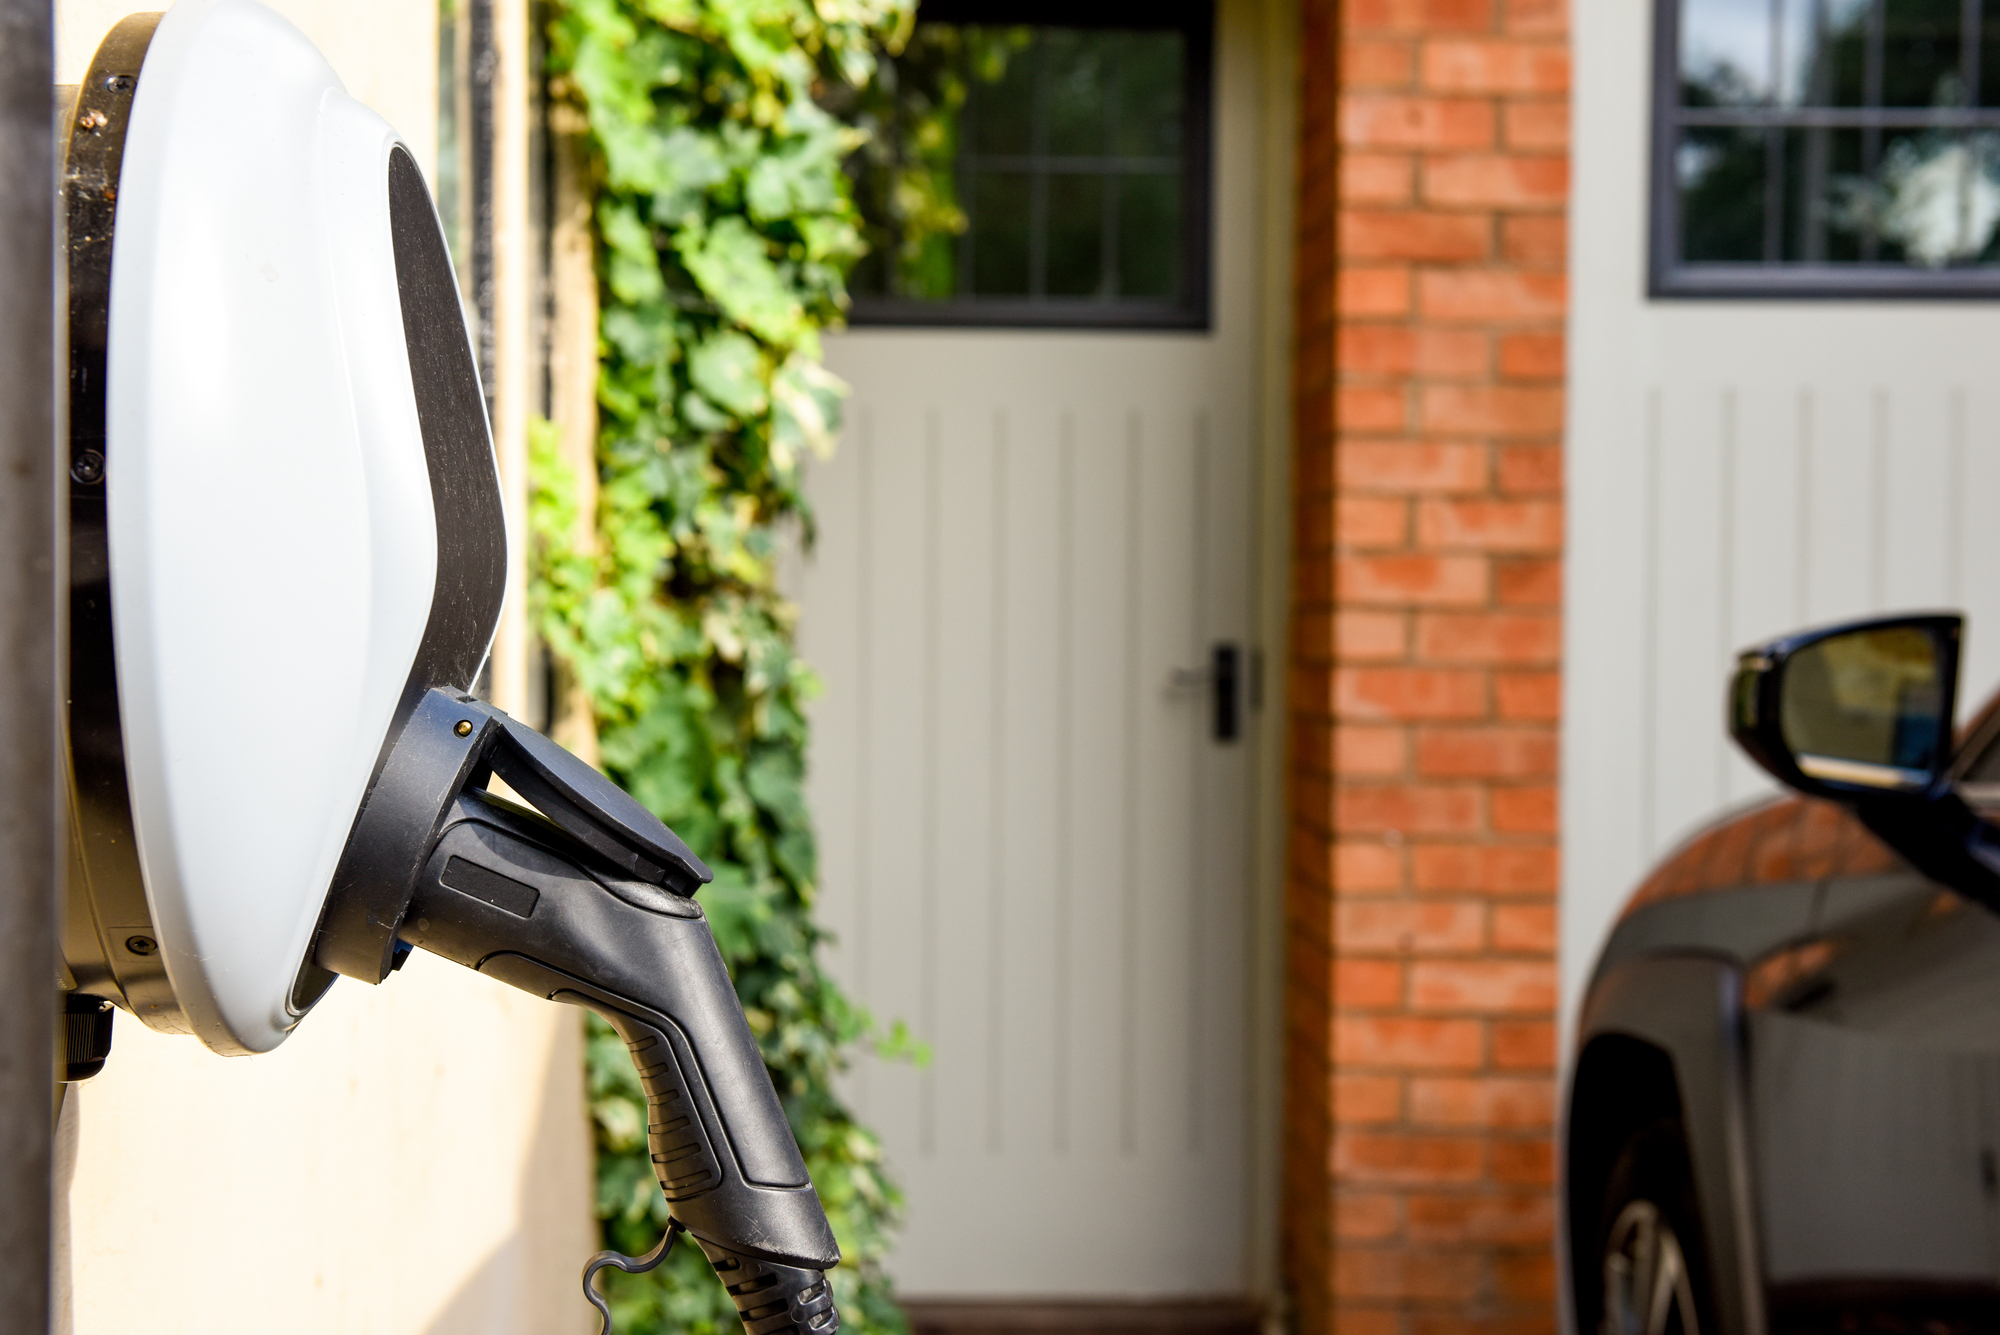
[(1831, 1020), (1875, 1106)]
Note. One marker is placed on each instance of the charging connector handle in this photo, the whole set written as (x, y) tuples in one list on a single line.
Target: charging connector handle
[(508, 893), (588, 899)]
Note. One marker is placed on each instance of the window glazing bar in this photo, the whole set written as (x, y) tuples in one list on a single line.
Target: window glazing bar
[(1775, 70), (1029, 162), (1107, 281), (1774, 142), (1038, 182), (1871, 93), (1842, 118), (1968, 50), (1774, 193), (1819, 144), (961, 181), (1830, 281)]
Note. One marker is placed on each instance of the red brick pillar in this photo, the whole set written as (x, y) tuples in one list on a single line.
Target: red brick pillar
[(1424, 683)]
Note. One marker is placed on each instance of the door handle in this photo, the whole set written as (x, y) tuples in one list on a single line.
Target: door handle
[(1223, 678), (1225, 683)]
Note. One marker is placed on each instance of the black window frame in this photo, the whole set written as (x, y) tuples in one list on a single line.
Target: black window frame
[(1670, 277), (1195, 20)]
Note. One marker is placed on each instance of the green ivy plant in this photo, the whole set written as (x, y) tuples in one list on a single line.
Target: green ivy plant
[(725, 228)]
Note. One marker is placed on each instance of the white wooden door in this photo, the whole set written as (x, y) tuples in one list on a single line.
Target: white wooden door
[(1032, 848), (1736, 469)]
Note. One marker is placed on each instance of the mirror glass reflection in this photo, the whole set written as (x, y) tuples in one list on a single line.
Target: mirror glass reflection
[(1867, 707)]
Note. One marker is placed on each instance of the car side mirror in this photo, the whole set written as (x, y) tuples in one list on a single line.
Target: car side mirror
[(1852, 710), (1861, 714)]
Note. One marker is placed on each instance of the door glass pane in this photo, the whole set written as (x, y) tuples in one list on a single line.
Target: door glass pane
[(1149, 235), (991, 73), (1986, 47), (1928, 198), (1725, 52), (1839, 54), (1076, 237), (1045, 164), (1921, 64), (1796, 36), (1721, 174), (1077, 73), (1824, 219), (1151, 83), (997, 237)]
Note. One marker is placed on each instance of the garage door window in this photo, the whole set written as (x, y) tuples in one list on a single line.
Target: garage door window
[(1827, 148), (1038, 168)]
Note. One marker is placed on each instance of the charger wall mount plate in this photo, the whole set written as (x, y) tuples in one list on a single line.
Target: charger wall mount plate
[(286, 521)]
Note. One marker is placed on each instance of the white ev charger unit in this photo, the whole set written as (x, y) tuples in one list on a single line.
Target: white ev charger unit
[(287, 555)]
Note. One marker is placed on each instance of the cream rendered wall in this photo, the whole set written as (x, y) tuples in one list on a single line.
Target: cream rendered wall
[(414, 1161), (1735, 470), (416, 1158), (384, 50)]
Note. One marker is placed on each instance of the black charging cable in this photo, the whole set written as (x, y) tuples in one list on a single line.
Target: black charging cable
[(631, 1265)]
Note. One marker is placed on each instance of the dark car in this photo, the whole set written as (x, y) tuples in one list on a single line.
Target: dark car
[(1784, 1111)]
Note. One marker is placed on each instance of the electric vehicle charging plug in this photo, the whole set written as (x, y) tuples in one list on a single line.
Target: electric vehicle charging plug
[(587, 900)]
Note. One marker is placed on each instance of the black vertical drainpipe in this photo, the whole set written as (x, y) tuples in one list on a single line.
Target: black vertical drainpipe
[(29, 796), (482, 63)]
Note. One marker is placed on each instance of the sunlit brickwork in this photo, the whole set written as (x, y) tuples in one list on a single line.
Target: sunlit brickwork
[(1424, 684)]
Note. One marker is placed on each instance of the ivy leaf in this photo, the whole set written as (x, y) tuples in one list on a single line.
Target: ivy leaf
[(641, 335), (732, 263), (829, 238), (801, 179), (807, 396), (632, 266), (702, 415), (675, 168), (729, 369), (683, 14)]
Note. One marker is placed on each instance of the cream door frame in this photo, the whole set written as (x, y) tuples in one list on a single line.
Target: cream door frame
[(1277, 24)]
